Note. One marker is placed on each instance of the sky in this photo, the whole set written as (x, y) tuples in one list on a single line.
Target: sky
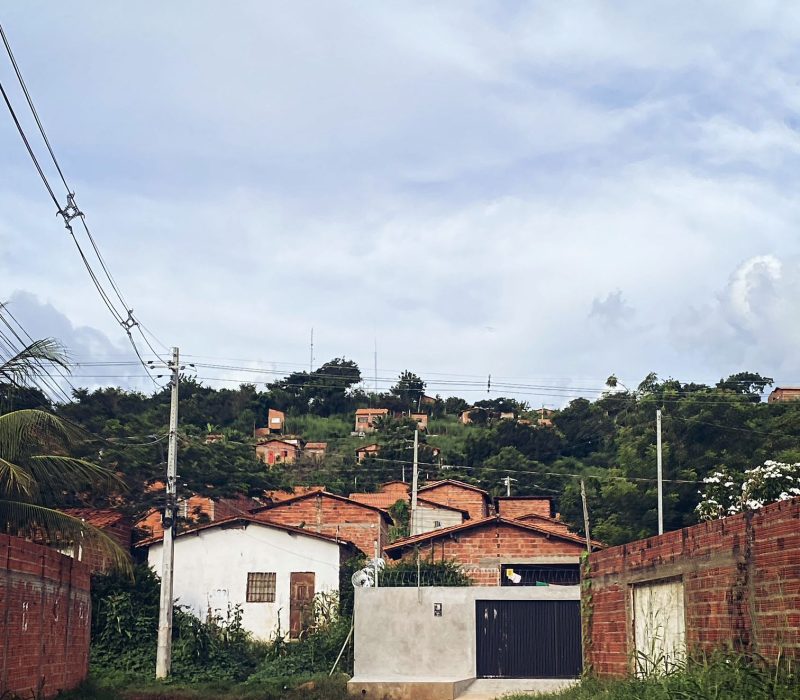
[(545, 192)]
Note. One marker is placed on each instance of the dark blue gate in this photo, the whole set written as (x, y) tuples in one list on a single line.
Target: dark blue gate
[(528, 638)]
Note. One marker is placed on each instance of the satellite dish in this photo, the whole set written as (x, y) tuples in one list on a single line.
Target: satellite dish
[(361, 579)]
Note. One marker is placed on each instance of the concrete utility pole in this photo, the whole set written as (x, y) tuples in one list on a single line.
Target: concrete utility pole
[(507, 481), (586, 517), (660, 475), (164, 649), (414, 485)]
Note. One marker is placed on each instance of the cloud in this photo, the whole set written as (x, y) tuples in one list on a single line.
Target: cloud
[(613, 310), (751, 322)]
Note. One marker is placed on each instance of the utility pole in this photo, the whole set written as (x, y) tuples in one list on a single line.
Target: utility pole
[(660, 475), (586, 518), (376, 365), (507, 481), (311, 362), (414, 485), (164, 649)]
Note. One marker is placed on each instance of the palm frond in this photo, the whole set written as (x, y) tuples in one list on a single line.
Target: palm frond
[(57, 529), (21, 431), (16, 481), (28, 361), (55, 474)]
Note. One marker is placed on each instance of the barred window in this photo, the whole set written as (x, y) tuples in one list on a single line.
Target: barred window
[(260, 587)]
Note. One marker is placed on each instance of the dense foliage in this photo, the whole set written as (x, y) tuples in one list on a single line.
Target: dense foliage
[(608, 441)]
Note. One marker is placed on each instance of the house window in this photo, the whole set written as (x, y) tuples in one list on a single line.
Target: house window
[(260, 587)]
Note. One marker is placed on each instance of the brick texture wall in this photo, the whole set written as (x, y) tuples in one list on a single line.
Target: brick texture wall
[(456, 496), (333, 517), (513, 508), (481, 551), (46, 609), (741, 578)]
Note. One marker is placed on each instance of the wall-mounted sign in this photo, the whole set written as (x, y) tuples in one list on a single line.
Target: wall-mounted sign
[(437, 609)]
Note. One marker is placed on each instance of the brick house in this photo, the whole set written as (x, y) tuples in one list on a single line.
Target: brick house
[(277, 451), (494, 551), (316, 450), (458, 494), (195, 509), (430, 515), (367, 417), (421, 420), (333, 515), (514, 507), (112, 523), (372, 450), (784, 394)]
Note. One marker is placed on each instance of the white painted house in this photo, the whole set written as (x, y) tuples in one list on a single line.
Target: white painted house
[(273, 571)]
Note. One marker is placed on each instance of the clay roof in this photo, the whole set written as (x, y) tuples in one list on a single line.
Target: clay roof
[(453, 482), (379, 500), (316, 445), (245, 521), (278, 495), (492, 519), (99, 517), (269, 442), (365, 411), (326, 494), (369, 447)]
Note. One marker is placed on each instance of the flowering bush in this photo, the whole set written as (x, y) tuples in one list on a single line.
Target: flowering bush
[(727, 494)]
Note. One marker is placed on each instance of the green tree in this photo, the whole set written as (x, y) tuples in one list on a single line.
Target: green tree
[(36, 469), (408, 390)]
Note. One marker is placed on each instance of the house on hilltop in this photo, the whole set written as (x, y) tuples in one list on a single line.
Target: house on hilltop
[(372, 450), (367, 417), (316, 450), (269, 569), (787, 393), (277, 451)]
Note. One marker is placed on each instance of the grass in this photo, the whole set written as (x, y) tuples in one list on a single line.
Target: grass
[(319, 687), (720, 678)]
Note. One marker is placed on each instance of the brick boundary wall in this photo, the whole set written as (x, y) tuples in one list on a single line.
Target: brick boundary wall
[(46, 615), (741, 579)]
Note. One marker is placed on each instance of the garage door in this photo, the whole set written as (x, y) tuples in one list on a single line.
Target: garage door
[(528, 639)]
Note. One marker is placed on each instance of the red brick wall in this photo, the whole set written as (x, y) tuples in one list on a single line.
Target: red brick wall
[(121, 532), (46, 608), (741, 580), (512, 508), (333, 517), (454, 496), (481, 551)]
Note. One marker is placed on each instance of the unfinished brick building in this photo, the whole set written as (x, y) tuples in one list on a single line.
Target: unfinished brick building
[(332, 515), (494, 551), (730, 584)]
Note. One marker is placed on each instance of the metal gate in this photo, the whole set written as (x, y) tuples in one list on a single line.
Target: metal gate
[(528, 638)]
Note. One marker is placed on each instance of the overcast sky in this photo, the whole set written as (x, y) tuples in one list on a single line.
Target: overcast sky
[(552, 192)]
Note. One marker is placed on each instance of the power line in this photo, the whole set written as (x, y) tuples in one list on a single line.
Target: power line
[(71, 211)]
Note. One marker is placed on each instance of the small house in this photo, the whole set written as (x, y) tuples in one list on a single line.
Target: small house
[(277, 451), (372, 450), (784, 393), (421, 419), (316, 450), (366, 418), (112, 523), (272, 571), (458, 494)]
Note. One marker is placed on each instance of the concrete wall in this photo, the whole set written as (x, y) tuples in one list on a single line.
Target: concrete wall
[(211, 568), (741, 580), (427, 518), (398, 638), (46, 616)]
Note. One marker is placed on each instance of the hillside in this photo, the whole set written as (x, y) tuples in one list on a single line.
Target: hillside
[(610, 441)]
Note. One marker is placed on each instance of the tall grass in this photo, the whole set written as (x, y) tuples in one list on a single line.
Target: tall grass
[(716, 678)]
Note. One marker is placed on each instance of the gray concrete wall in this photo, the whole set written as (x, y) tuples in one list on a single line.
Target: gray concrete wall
[(398, 637)]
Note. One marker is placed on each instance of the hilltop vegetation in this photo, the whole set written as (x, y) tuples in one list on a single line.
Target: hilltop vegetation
[(610, 441)]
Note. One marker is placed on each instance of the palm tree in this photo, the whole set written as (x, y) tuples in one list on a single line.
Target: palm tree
[(36, 470)]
